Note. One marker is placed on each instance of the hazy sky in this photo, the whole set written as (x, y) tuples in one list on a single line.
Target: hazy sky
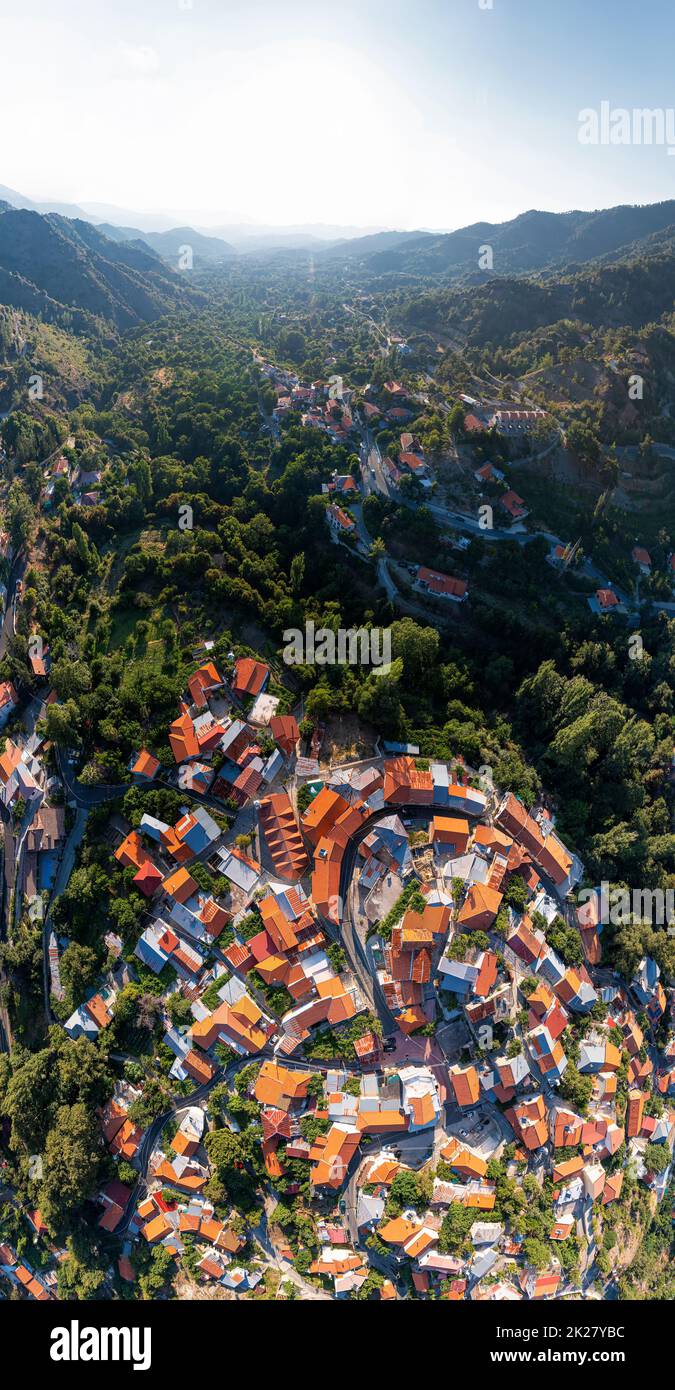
[(403, 113)]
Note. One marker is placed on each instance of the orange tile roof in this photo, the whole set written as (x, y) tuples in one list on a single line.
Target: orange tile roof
[(491, 838), (157, 1228), (451, 830), (99, 1011), (465, 1084), (548, 852), (529, 1122), (420, 1242), (328, 862), (383, 1171), (188, 1181), (568, 1168), (442, 583), (411, 1018), (279, 929), (202, 680), (146, 765), (282, 836), (399, 1230), (180, 885), (178, 849), (331, 1156), (214, 917), (284, 730), (126, 1141), (198, 1066), (249, 676), (480, 906), (480, 1198), (8, 694), (463, 1160), (183, 739), (380, 1121), (240, 1022), (405, 783), (9, 760), (635, 1113), (131, 852), (322, 813), (613, 1186)]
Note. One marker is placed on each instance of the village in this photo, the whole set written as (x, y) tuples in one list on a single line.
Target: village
[(491, 509), (371, 980)]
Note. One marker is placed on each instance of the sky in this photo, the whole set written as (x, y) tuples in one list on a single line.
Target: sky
[(371, 113)]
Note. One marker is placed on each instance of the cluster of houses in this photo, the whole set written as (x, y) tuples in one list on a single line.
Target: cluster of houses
[(410, 462), (508, 1112), (389, 890), (24, 1276), (84, 486), (323, 405)]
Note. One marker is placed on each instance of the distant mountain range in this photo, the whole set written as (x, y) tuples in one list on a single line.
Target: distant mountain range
[(18, 200), (534, 241), (214, 242), (207, 250), (67, 270)]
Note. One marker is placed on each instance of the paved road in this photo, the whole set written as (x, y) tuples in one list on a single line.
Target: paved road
[(60, 883), (85, 796), (7, 630), (226, 1074)]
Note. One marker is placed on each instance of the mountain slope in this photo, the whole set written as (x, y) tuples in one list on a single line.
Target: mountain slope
[(628, 293), (534, 241), (168, 245), (379, 243), (49, 263)]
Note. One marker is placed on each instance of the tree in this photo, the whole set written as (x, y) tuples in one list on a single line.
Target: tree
[(70, 1164), (656, 1158), (84, 900), (297, 572), (417, 646), (536, 1253), (78, 968), (455, 1228), (82, 1275), (456, 420), (20, 516), (62, 1073), (70, 678), (379, 701), (408, 1189), (61, 725), (576, 1088)]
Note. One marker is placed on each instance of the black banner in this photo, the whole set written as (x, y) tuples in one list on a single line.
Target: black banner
[(168, 1336)]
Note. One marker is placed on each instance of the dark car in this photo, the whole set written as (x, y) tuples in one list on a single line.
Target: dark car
[(389, 1045)]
